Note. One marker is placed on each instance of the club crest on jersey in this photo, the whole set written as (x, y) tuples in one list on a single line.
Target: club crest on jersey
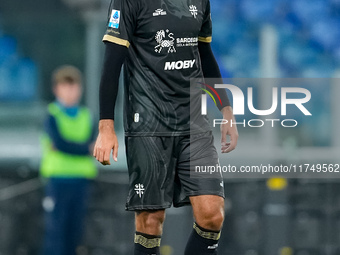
[(159, 12), (193, 10), (165, 40), (114, 19)]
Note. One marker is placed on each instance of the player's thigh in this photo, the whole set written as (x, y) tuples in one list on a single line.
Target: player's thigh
[(208, 211), (197, 150), (151, 167)]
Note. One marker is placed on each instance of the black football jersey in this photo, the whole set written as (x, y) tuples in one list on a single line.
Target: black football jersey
[(162, 39)]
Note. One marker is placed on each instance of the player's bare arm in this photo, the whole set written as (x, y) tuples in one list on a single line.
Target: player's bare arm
[(227, 145), (106, 142)]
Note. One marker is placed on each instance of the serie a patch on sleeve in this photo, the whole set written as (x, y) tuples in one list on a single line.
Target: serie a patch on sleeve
[(114, 19)]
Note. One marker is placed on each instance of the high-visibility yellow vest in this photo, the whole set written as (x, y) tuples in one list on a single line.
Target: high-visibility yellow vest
[(76, 129)]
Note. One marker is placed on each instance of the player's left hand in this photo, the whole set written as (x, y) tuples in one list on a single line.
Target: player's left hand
[(228, 130)]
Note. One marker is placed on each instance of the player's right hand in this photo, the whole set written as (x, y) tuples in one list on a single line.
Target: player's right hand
[(106, 141)]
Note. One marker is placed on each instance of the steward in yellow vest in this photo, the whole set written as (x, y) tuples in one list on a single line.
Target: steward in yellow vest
[(67, 164)]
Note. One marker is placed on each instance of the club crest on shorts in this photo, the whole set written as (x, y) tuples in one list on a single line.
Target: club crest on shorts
[(139, 188)]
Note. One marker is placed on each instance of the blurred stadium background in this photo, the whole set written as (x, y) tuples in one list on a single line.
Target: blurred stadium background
[(272, 39)]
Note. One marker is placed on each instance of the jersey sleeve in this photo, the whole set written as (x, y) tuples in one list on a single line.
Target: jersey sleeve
[(121, 22), (205, 34)]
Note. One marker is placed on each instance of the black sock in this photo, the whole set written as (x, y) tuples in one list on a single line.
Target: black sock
[(147, 244), (202, 241)]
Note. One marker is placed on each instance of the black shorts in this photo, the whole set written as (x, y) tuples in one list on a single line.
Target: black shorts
[(161, 170)]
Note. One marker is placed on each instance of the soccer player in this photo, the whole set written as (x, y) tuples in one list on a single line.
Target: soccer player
[(163, 45)]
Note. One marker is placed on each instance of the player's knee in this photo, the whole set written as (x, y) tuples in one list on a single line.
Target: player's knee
[(155, 218), (211, 218), (150, 222)]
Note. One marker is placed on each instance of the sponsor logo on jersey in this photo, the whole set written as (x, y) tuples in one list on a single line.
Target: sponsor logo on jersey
[(165, 40), (114, 19), (193, 10), (159, 12), (179, 65), (186, 41), (139, 188)]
